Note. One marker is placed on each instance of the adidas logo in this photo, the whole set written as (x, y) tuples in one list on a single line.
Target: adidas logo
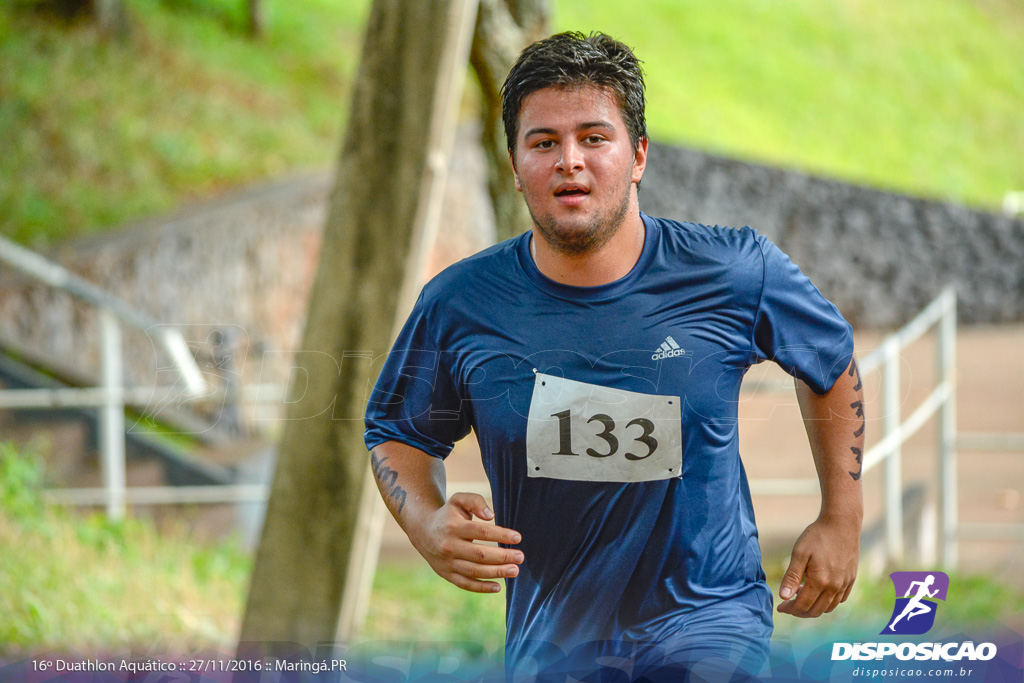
[(668, 349)]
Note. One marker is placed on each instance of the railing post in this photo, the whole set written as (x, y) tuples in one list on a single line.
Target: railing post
[(893, 461), (947, 432), (111, 422)]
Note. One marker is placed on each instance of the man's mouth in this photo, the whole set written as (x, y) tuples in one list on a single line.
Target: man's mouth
[(571, 195), (571, 190)]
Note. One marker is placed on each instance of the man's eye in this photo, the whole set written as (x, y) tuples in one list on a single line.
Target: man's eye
[(594, 139), (545, 144)]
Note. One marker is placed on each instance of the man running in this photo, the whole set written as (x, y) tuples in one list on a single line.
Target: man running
[(598, 359)]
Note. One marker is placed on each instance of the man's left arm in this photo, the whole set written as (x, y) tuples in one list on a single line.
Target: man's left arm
[(824, 562)]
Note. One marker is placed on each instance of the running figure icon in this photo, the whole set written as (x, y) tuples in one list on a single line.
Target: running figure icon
[(916, 606)]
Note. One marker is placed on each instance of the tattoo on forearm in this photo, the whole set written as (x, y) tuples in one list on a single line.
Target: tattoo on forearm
[(854, 371), (858, 411), (388, 479), (859, 455)]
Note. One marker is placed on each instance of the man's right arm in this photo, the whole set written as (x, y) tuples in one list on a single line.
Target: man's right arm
[(444, 532)]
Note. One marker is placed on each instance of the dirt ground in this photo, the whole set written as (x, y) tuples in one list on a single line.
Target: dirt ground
[(990, 398)]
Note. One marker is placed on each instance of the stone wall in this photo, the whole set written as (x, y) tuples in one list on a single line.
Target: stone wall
[(241, 266), (879, 256), (234, 274)]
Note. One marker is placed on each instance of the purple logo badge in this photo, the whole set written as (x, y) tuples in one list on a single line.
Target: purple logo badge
[(915, 608)]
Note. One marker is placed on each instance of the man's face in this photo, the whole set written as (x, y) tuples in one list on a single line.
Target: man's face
[(576, 166)]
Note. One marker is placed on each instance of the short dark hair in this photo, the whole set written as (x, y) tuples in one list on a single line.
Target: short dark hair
[(572, 59)]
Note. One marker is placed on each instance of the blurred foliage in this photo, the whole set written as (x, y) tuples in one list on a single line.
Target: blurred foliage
[(21, 477), (66, 10)]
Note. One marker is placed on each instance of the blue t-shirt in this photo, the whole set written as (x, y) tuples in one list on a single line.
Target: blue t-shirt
[(606, 560)]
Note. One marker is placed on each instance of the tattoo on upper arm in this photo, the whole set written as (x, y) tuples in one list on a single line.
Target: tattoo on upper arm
[(858, 408), (388, 480)]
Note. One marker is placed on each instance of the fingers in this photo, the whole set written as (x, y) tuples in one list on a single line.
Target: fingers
[(824, 589), (478, 531), (822, 569), (471, 584), (817, 597), (459, 549), (464, 563), (821, 602), (455, 527), (789, 607), (794, 574), (466, 573), (472, 503), (473, 570), (836, 601), (457, 557)]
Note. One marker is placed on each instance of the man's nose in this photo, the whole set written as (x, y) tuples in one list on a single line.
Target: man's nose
[(571, 160)]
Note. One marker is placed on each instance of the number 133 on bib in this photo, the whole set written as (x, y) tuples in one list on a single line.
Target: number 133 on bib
[(588, 432)]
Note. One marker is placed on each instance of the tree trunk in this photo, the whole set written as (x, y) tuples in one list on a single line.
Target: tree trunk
[(255, 15), (387, 169), (111, 18), (503, 29)]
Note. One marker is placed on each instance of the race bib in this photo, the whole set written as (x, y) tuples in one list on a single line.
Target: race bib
[(587, 432)]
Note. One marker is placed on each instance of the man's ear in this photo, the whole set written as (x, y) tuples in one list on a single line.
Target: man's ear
[(639, 160), (512, 160)]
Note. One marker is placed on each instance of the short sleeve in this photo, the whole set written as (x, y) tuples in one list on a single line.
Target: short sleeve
[(797, 327), (415, 400)]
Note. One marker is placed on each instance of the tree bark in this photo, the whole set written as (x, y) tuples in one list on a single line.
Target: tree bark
[(382, 180), (503, 29)]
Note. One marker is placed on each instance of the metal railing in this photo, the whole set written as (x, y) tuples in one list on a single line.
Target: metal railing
[(941, 401), (896, 430), (111, 397)]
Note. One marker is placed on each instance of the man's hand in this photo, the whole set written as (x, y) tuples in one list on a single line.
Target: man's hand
[(823, 568), (446, 541), (412, 484), (824, 563)]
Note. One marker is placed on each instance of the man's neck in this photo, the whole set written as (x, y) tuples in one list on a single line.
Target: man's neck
[(613, 260)]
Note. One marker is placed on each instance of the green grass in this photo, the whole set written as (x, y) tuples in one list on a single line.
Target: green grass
[(96, 134), (93, 585), (412, 603), (922, 97)]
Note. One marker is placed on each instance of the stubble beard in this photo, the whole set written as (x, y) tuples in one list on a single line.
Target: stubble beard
[(579, 240)]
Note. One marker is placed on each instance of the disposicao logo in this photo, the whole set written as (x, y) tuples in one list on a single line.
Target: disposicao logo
[(914, 613)]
